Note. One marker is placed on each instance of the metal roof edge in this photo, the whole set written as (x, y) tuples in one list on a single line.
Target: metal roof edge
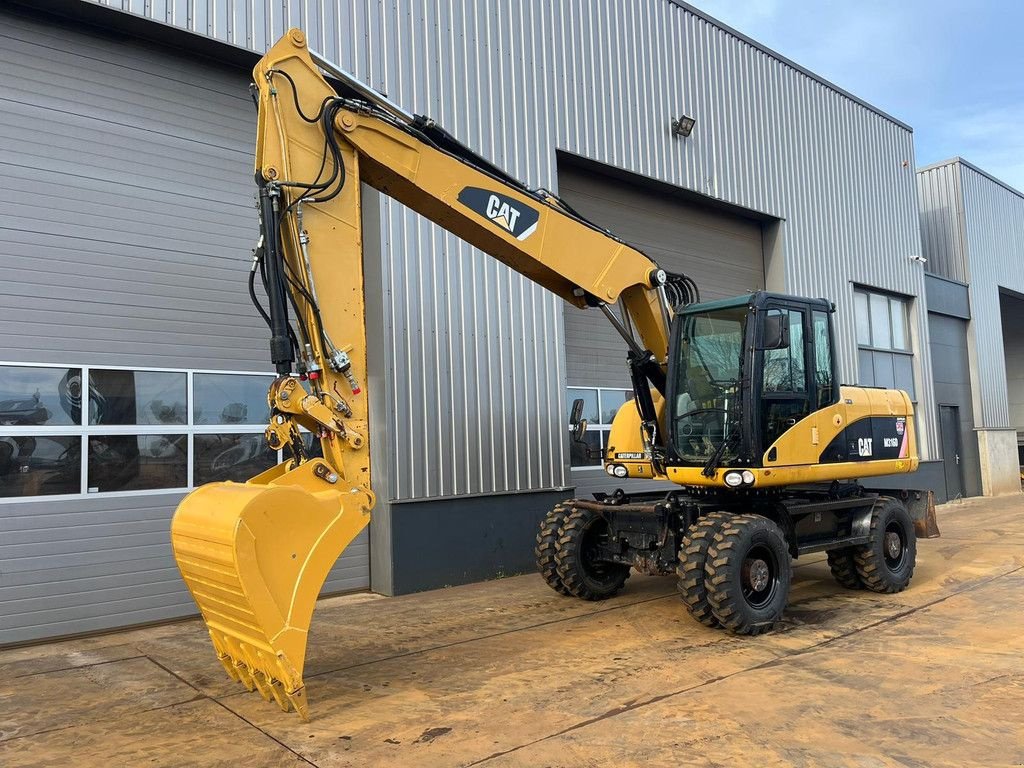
[(110, 19), (69, 8), (788, 62), (989, 176), (940, 164)]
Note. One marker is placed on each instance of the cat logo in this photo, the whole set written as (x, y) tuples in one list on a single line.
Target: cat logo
[(864, 446), (514, 217)]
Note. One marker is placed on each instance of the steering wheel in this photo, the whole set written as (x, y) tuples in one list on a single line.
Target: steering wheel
[(695, 411)]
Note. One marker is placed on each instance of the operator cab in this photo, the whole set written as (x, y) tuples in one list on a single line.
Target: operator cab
[(742, 371)]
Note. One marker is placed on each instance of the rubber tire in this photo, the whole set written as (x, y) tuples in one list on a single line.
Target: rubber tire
[(722, 573), (844, 567), (577, 577), (875, 573), (693, 555), (547, 546)]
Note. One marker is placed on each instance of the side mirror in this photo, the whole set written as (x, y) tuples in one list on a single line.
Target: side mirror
[(576, 420), (775, 331)]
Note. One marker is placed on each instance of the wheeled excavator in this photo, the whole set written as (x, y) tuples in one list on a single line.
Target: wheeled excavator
[(736, 402)]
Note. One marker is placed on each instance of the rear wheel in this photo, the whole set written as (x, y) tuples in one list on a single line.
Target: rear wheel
[(886, 564), (693, 555), (547, 546), (583, 575), (747, 573), (844, 568)]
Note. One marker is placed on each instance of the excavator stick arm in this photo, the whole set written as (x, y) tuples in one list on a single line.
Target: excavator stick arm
[(255, 555)]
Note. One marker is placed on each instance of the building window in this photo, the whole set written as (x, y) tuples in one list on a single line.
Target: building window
[(884, 357), (79, 430), (600, 404)]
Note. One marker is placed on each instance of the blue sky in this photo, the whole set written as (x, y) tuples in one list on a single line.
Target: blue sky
[(953, 71)]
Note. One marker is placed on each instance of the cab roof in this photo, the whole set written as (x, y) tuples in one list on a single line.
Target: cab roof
[(756, 300)]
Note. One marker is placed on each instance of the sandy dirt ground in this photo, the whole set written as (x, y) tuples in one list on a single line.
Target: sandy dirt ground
[(507, 673)]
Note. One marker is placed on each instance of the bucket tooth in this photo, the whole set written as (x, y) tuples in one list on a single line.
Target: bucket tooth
[(298, 700), (229, 666), (263, 685), (277, 689), (245, 675)]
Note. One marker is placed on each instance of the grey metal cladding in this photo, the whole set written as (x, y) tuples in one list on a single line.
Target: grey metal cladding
[(980, 236), (603, 79), (127, 206), (947, 297), (92, 564), (994, 237), (125, 225), (942, 221)]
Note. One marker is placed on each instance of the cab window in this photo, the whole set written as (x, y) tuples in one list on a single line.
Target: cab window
[(785, 368), (823, 382)]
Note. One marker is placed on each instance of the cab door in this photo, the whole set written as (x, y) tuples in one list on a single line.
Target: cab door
[(784, 375)]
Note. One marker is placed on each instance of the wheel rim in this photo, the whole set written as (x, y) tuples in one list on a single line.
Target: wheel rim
[(894, 546), (759, 576)]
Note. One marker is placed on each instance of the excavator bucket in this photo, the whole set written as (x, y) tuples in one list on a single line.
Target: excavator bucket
[(255, 556)]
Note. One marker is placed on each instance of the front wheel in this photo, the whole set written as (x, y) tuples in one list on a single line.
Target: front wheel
[(748, 573), (886, 563), (693, 556), (582, 573), (547, 548)]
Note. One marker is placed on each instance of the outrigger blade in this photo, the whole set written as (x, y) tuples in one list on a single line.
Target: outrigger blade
[(254, 557)]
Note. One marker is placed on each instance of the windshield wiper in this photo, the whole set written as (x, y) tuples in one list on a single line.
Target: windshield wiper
[(715, 459)]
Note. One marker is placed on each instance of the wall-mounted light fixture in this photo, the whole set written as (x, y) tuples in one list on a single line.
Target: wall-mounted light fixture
[(683, 126)]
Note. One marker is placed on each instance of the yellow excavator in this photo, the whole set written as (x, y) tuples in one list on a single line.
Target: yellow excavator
[(736, 402)]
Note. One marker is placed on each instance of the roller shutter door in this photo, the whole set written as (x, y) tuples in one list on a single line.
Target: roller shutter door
[(721, 251), (126, 223)]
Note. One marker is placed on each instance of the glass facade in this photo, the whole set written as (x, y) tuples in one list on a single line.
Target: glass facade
[(884, 357), (600, 404), (40, 397), (140, 429)]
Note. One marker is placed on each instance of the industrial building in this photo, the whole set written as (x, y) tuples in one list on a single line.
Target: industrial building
[(972, 228), (133, 367)]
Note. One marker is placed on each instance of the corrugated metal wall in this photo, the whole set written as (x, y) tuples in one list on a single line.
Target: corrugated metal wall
[(602, 79), (125, 225), (973, 228), (942, 221), (994, 228)]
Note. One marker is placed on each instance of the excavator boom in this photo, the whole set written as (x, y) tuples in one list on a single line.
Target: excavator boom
[(255, 555)]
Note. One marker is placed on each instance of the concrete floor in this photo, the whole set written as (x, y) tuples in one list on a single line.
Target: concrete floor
[(507, 673)]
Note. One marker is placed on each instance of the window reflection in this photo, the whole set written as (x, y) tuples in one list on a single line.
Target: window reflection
[(137, 462), (222, 398), (231, 457), (136, 397), (579, 452), (40, 465), (784, 368), (591, 412), (822, 358), (31, 396)]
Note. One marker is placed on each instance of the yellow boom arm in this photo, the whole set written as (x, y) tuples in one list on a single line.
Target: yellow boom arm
[(255, 555)]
